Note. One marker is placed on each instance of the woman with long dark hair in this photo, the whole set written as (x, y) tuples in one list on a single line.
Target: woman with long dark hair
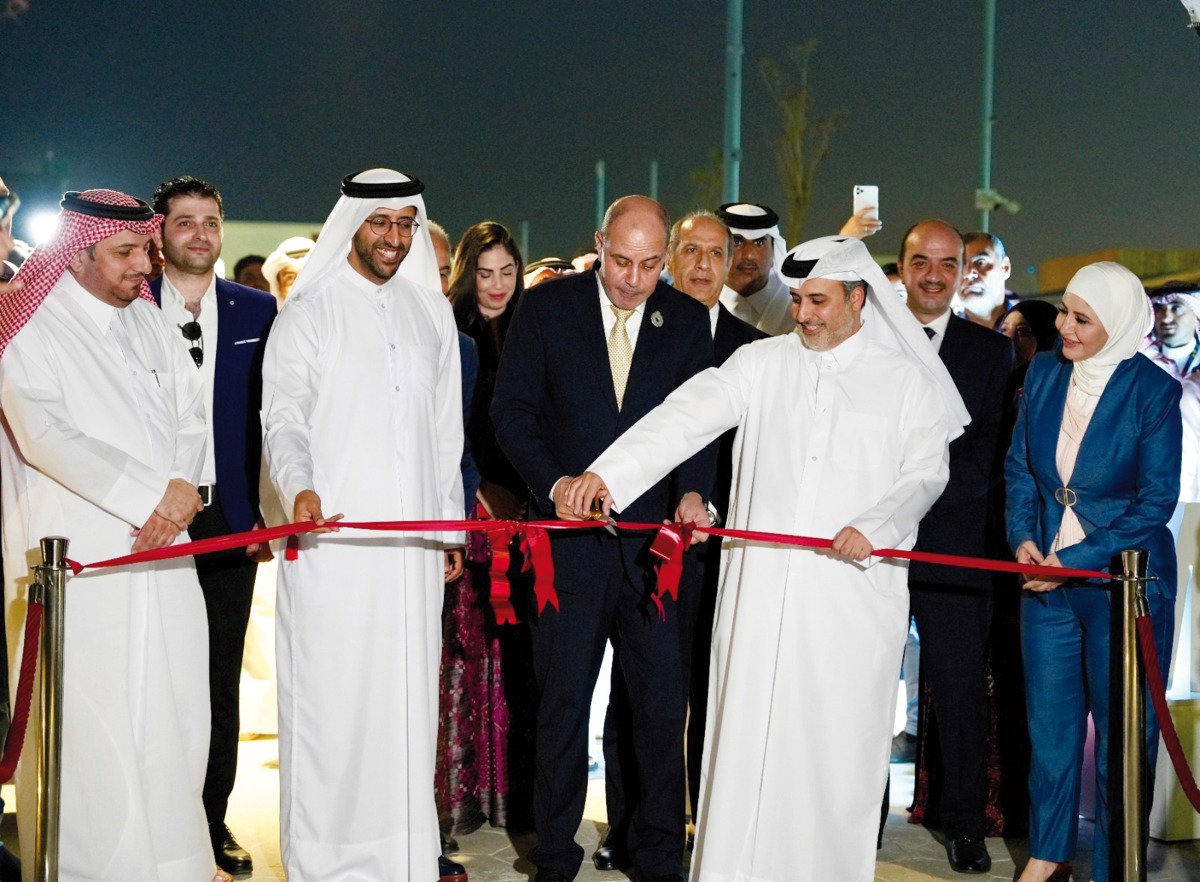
[(1093, 470), (487, 772), (485, 288)]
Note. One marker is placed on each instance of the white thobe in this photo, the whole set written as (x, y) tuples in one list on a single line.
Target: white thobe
[(805, 647), (362, 403), (769, 309), (96, 428)]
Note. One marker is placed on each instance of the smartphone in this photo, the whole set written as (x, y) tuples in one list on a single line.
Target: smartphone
[(866, 196)]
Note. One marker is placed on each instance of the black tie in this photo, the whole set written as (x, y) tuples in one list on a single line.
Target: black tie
[(929, 332)]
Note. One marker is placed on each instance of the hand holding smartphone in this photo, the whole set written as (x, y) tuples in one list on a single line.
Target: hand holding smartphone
[(866, 196)]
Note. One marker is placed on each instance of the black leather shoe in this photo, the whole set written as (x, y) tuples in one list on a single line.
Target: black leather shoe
[(449, 871), (545, 875), (230, 856), (610, 857), (969, 855)]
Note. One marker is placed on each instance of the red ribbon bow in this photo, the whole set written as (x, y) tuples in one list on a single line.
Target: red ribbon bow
[(669, 544)]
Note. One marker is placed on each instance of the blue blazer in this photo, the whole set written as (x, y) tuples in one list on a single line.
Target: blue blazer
[(468, 358), (1126, 476), (244, 317)]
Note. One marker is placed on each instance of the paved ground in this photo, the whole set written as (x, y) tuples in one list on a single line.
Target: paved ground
[(909, 854)]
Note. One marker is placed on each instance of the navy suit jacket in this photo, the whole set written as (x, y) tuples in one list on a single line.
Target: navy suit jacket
[(731, 333), (244, 317), (982, 364), (468, 357), (554, 407), (1126, 475)]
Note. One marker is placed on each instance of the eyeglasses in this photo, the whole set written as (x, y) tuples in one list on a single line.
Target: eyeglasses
[(381, 225), (195, 336)]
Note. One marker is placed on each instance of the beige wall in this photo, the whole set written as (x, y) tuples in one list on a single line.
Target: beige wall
[(259, 237)]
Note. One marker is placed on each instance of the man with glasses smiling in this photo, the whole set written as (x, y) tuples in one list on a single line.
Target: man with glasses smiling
[(223, 327), (362, 412)]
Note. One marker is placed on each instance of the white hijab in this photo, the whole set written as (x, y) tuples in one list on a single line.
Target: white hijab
[(333, 244), (1116, 296), (886, 319)]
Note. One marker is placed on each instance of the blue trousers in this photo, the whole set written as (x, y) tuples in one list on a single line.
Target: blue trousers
[(1065, 642)]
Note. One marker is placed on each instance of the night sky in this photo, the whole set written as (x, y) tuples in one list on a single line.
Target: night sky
[(503, 108)]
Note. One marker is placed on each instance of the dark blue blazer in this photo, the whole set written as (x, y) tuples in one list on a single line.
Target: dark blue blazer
[(982, 365), (244, 317), (554, 407), (468, 357), (1126, 475), (731, 334)]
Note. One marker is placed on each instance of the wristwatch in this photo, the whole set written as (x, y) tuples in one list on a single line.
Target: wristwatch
[(714, 516)]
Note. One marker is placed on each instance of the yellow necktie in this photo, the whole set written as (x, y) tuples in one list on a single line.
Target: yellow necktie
[(620, 352)]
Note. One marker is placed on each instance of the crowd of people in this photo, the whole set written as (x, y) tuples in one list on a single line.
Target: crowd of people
[(699, 372)]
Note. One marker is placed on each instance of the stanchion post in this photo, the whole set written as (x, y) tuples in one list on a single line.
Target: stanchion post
[(1127, 846), (51, 581)]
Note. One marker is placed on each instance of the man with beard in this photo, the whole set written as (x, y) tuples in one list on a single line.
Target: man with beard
[(842, 433), (983, 296), (753, 291), (223, 326), (952, 605), (1175, 341), (103, 441), (362, 413)]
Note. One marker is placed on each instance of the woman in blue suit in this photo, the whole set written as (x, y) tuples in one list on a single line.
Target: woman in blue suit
[(1093, 470)]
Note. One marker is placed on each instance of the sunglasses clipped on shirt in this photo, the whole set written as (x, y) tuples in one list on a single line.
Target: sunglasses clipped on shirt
[(195, 336)]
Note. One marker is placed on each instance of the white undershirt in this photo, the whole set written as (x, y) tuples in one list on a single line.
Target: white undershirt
[(939, 326), (633, 324), (177, 315)]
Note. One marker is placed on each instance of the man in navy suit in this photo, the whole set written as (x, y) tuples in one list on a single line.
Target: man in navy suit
[(224, 327), (587, 356), (952, 605), (701, 250)]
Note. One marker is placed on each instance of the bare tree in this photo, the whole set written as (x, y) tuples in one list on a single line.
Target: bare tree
[(708, 182), (803, 139)]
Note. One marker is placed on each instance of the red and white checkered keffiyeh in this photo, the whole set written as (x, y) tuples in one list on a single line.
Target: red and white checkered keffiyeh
[(45, 266)]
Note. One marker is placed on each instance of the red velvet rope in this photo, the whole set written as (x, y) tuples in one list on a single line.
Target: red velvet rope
[(15, 739), (1158, 694)]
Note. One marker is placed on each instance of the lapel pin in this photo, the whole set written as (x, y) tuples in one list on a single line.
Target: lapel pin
[(656, 319)]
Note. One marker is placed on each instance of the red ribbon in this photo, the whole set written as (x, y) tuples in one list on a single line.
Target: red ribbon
[(535, 546), (671, 540), (500, 537), (668, 546)]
